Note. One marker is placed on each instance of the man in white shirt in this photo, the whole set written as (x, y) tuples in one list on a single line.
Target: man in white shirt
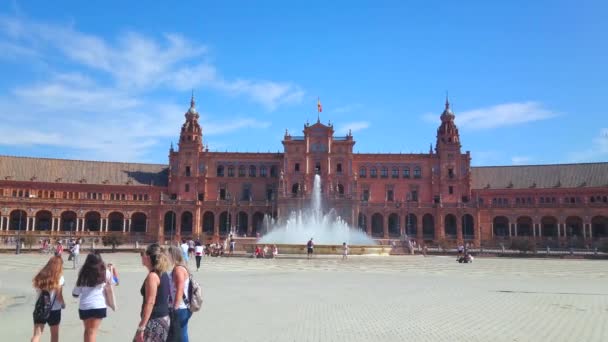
[(184, 246), (75, 253)]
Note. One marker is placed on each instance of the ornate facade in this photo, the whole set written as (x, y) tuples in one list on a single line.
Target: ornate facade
[(429, 196)]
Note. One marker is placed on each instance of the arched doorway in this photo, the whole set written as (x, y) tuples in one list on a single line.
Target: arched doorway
[(393, 226), (186, 227), (138, 223), (243, 222), (68, 221), (116, 222), (362, 222), (170, 222), (92, 221), (377, 225), (574, 227), (450, 226), (208, 222), (501, 226), (18, 220), (258, 223), (225, 223), (599, 227), (411, 225), (524, 226), (44, 220), (468, 227), (428, 227), (295, 189), (548, 226), (340, 190)]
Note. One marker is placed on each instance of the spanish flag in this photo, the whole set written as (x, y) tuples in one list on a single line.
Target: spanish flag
[(319, 107)]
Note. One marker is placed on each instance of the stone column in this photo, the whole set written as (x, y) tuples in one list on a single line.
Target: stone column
[(34, 223), (459, 235), (146, 227), (27, 224), (129, 225), (124, 225), (515, 230), (216, 224), (492, 229), (385, 226)]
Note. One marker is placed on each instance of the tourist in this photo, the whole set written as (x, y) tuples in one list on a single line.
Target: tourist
[(265, 251), (184, 247), (75, 250), (89, 288), (59, 249), (232, 246), (154, 314), (112, 273), (344, 250), (257, 253), (49, 282), (275, 251), (198, 253), (190, 248), (179, 279), (310, 248)]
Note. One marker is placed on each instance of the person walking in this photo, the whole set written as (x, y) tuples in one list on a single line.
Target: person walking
[(180, 284), (184, 247), (198, 253), (49, 285), (154, 314), (344, 251), (90, 290), (75, 253), (310, 247)]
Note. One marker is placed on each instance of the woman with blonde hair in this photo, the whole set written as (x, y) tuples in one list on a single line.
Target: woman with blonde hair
[(180, 284), (154, 314), (49, 281)]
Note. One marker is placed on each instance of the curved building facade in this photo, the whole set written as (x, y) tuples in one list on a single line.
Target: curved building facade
[(430, 196)]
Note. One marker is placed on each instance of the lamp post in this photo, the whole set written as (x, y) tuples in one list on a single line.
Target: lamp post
[(18, 247)]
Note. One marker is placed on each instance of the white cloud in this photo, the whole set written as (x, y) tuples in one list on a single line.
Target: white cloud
[(520, 160), (352, 127), (96, 96), (501, 115), (137, 63), (598, 150)]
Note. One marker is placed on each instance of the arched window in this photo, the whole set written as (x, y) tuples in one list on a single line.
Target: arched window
[(384, 172), (406, 172), (362, 172), (252, 171), (395, 173), (220, 171), (417, 172), (241, 171), (230, 171), (373, 173)]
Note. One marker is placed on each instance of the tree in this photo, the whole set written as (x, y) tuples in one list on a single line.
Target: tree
[(522, 245), (603, 247), (113, 240), (29, 240)]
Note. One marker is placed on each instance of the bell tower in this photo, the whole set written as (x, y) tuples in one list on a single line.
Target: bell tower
[(184, 163)]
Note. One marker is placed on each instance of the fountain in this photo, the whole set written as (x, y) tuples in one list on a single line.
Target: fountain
[(328, 231)]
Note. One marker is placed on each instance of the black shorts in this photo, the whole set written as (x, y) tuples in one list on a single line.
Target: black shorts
[(190, 250), (92, 313), (310, 250), (54, 318)]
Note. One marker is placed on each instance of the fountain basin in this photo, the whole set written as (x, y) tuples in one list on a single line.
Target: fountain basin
[(324, 249)]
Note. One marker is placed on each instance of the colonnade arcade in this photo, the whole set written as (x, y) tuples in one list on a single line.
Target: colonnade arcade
[(395, 225), (550, 227), (73, 221), (219, 222)]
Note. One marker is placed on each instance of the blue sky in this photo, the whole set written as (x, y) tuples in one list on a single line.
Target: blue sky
[(111, 81)]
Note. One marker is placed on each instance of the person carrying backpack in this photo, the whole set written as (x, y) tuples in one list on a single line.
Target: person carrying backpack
[(47, 310)]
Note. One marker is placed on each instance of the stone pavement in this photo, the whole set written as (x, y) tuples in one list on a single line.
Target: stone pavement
[(404, 298)]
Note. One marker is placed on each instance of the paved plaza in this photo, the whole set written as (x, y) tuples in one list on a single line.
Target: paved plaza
[(407, 298)]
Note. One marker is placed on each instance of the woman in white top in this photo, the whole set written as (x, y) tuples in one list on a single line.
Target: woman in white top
[(198, 253), (180, 284), (89, 287), (50, 279)]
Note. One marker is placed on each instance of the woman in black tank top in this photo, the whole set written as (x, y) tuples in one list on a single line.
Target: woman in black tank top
[(154, 324)]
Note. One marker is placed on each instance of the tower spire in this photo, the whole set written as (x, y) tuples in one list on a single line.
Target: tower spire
[(192, 103), (447, 100)]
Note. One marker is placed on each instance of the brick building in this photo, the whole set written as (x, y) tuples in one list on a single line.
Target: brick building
[(429, 196)]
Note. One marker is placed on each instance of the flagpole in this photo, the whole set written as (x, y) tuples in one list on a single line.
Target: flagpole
[(318, 111)]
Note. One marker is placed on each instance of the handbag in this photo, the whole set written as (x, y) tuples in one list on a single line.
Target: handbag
[(108, 292)]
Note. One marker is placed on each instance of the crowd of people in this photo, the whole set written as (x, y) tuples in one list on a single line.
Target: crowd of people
[(165, 294)]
